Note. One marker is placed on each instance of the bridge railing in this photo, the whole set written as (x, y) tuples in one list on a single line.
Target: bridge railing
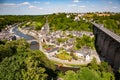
[(108, 32)]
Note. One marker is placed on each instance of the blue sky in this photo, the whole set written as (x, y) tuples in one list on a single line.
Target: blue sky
[(39, 7)]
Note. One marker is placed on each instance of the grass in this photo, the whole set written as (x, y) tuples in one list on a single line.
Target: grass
[(64, 55)]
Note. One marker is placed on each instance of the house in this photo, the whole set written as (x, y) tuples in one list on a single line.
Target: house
[(71, 40), (83, 54), (76, 18), (68, 46), (67, 16), (84, 19), (6, 35), (53, 51), (87, 58), (79, 54)]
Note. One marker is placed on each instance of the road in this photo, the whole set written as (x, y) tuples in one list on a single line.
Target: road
[(108, 32)]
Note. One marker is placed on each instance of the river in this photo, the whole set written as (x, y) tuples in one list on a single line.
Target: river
[(25, 36), (34, 46)]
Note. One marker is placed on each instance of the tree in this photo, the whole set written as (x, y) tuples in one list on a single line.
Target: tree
[(84, 41), (93, 64), (10, 48), (24, 64), (88, 74), (70, 75), (60, 22), (105, 67), (107, 76)]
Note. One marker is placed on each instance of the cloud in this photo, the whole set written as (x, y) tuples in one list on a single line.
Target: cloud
[(21, 4), (81, 9), (115, 7), (76, 1), (72, 5), (25, 3), (31, 6), (82, 6), (15, 5), (92, 5), (34, 7), (110, 2), (37, 2), (47, 3), (8, 4)]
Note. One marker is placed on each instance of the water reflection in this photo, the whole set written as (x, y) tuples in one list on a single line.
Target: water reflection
[(33, 45)]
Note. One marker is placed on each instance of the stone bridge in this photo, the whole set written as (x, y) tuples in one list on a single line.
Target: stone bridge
[(33, 41), (107, 45)]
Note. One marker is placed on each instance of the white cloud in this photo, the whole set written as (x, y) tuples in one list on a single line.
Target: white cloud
[(72, 5), (31, 6), (47, 3), (37, 2), (25, 3), (82, 6), (92, 5), (21, 4), (34, 7), (81, 9), (115, 7), (15, 5), (8, 4), (76, 1)]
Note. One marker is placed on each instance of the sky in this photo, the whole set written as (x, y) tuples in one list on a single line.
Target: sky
[(40, 7)]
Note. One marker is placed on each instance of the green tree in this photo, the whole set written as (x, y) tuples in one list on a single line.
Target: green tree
[(24, 64), (88, 74), (93, 64), (105, 67), (70, 75), (107, 76)]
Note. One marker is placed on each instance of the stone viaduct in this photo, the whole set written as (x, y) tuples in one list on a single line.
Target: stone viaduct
[(107, 45)]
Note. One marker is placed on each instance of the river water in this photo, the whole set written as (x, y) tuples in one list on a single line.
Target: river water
[(25, 36), (34, 46)]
